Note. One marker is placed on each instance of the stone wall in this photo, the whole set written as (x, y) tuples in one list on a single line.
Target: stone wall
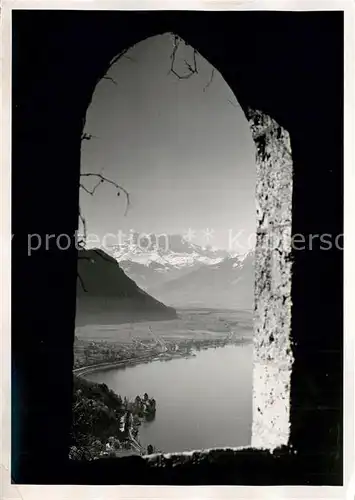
[(272, 311)]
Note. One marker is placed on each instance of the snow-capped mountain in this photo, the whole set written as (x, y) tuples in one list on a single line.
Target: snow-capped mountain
[(151, 260), (165, 252), (180, 273), (227, 284)]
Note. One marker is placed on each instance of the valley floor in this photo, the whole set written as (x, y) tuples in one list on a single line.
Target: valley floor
[(106, 346)]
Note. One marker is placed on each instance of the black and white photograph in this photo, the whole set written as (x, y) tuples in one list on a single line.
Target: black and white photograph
[(176, 232), (163, 274)]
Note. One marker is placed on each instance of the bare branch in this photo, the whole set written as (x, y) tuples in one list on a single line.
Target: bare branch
[(101, 180), (85, 188), (119, 55), (195, 63), (176, 43), (191, 67), (87, 137), (83, 220), (81, 282), (106, 77), (181, 77), (210, 80), (113, 61), (129, 58)]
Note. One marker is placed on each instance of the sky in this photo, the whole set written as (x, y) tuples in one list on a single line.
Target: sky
[(182, 148)]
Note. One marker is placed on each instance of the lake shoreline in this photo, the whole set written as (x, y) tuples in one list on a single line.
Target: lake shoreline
[(190, 394), (127, 363), (149, 358), (83, 370)]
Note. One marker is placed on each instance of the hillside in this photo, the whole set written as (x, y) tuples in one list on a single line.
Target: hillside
[(106, 295), (154, 274), (105, 424)]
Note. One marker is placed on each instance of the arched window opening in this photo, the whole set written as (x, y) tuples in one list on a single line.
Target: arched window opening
[(181, 266)]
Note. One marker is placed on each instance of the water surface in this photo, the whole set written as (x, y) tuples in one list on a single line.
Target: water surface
[(202, 402)]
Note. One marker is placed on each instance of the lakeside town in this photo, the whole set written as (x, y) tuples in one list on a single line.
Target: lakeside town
[(91, 353), (168, 292), (107, 424)]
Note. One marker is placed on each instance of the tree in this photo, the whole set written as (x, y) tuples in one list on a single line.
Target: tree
[(127, 424)]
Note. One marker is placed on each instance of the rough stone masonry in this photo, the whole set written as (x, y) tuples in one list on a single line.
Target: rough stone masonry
[(272, 311)]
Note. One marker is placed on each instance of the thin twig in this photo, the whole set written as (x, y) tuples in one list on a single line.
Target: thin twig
[(129, 58), (192, 68), (83, 220), (210, 80), (103, 179), (119, 55), (85, 189), (81, 282), (106, 77), (176, 43), (87, 137), (113, 61)]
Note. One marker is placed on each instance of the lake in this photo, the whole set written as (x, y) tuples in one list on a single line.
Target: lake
[(202, 402)]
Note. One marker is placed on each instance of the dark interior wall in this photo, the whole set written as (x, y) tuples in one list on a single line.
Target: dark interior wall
[(289, 65)]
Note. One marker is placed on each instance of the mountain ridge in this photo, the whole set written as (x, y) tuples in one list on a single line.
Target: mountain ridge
[(229, 283), (172, 251), (183, 274), (105, 294)]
